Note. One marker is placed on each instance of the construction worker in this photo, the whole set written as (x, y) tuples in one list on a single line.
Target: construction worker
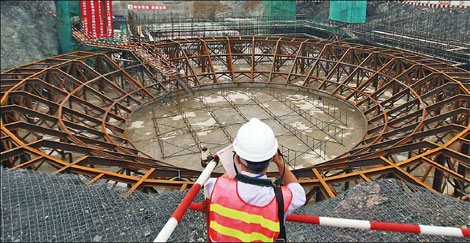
[(245, 208)]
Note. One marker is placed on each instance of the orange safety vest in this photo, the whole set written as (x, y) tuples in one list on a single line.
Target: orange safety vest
[(231, 219)]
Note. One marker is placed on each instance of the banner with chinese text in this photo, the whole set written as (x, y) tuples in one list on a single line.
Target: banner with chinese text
[(97, 18)]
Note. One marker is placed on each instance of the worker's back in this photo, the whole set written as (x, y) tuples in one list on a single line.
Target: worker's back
[(245, 208), (238, 216)]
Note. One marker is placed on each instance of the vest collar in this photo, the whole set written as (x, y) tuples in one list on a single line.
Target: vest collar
[(260, 176)]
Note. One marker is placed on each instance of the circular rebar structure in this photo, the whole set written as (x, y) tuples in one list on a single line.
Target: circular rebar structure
[(69, 113)]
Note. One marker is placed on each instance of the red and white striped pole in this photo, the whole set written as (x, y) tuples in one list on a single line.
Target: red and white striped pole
[(370, 225), (171, 224), (381, 226)]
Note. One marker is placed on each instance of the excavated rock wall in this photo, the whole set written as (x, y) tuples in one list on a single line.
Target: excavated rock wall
[(28, 32)]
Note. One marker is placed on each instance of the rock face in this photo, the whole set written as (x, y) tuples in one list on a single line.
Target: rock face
[(28, 32)]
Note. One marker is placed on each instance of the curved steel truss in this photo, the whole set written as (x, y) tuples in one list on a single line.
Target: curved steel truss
[(69, 112)]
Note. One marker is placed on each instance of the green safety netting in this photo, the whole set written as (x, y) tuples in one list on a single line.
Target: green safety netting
[(348, 11), (279, 10)]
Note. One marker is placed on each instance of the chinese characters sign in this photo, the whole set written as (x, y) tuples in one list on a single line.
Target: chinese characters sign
[(97, 18), (145, 7)]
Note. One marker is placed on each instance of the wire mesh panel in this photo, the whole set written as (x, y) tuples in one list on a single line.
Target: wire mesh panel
[(41, 207)]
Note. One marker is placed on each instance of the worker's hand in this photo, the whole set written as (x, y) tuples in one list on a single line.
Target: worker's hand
[(277, 159)]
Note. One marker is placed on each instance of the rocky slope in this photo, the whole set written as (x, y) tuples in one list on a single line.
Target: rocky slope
[(28, 32)]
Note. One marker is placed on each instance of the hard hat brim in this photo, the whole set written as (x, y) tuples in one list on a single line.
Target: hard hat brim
[(255, 158)]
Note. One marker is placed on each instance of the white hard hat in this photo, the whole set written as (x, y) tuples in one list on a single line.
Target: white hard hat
[(255, 141)]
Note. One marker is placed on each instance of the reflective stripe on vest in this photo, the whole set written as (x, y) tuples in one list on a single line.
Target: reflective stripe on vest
[(245, 217), (240, 235), (232, 219)]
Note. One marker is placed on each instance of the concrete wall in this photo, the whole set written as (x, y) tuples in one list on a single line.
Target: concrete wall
[(28, 32)]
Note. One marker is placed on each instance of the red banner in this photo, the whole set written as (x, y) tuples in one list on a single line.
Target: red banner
[(97, 18), (84, 11), (109, 18), (92, 23)]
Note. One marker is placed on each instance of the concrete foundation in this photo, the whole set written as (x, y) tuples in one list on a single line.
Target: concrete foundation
[(310, 128)]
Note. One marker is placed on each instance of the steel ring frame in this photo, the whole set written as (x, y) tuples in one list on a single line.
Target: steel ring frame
[(417, 133)]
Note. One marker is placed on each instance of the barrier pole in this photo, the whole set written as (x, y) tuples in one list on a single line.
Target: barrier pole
[(370, 225), (171, 224)]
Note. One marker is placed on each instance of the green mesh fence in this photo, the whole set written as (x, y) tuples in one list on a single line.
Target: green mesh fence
[(279, 10), (65, 11), (63, 25), (348, 11)]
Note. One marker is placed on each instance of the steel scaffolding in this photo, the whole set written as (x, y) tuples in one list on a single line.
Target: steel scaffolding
[(69, 112)]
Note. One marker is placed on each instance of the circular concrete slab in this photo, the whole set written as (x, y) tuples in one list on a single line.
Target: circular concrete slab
[(310, 128)]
